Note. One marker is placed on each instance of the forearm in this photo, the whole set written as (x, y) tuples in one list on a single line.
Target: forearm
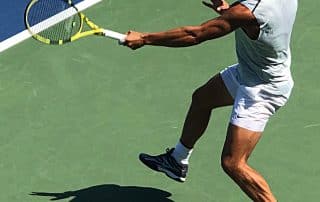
[(179, 37), (185, 36)]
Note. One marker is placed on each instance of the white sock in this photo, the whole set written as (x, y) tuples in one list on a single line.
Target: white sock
[(181, 153)]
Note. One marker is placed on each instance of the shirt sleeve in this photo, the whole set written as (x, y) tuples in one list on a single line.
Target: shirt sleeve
[(250, 4)]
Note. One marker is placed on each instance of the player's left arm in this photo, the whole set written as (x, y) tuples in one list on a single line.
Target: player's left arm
[(233, 18)]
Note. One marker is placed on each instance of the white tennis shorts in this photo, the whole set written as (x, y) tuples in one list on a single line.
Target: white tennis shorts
[(253, 106)]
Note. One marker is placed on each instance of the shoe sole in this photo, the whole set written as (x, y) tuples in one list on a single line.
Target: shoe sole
[(165, 171)]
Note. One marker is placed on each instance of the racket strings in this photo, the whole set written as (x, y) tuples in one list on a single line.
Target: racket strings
[(53, 19)]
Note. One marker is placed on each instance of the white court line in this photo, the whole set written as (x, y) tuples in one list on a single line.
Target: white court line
[(18, 38), (312, 125)]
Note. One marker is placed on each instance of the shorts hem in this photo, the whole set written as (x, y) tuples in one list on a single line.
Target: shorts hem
[(255, 127)]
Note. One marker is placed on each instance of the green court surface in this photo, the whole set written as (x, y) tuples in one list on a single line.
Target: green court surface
[(74, 118)]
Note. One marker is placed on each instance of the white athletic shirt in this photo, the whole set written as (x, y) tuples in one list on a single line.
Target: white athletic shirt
[(267, 60)]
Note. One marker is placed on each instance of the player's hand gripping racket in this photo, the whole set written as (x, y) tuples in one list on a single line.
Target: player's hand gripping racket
[(59, 22)]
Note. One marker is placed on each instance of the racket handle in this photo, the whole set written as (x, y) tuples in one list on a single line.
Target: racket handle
[(115, 35)]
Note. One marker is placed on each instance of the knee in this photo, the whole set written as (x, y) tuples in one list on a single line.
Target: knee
[(200, 99), (197, 95), (231, 166)]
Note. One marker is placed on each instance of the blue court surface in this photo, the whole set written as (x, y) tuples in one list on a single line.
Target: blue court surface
[(13, 29)]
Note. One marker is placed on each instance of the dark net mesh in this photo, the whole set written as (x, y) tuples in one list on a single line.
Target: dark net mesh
[(53, 19)]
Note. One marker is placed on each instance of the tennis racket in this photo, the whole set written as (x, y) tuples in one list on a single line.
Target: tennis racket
[(59, 22)]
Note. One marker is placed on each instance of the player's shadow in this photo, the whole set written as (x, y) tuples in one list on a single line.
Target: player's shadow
[(111, 193)]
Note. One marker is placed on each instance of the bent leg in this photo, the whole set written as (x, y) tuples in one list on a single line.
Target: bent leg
[(238, 146), (174, 163), (211, 95)]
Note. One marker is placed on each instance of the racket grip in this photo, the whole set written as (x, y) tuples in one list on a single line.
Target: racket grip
[(115, 35)]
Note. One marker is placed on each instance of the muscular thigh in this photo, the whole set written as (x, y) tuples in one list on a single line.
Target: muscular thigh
[(239, 143), (213, 94)]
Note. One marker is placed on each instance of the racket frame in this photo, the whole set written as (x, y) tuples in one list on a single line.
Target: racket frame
[(95, 29)]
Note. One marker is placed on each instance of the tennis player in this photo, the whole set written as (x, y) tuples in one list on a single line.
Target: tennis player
[(257, 86)]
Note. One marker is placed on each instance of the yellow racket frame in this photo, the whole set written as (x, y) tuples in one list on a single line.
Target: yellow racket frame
[(95, 29)]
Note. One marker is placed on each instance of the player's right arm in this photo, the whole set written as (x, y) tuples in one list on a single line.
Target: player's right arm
[(231, 19)]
